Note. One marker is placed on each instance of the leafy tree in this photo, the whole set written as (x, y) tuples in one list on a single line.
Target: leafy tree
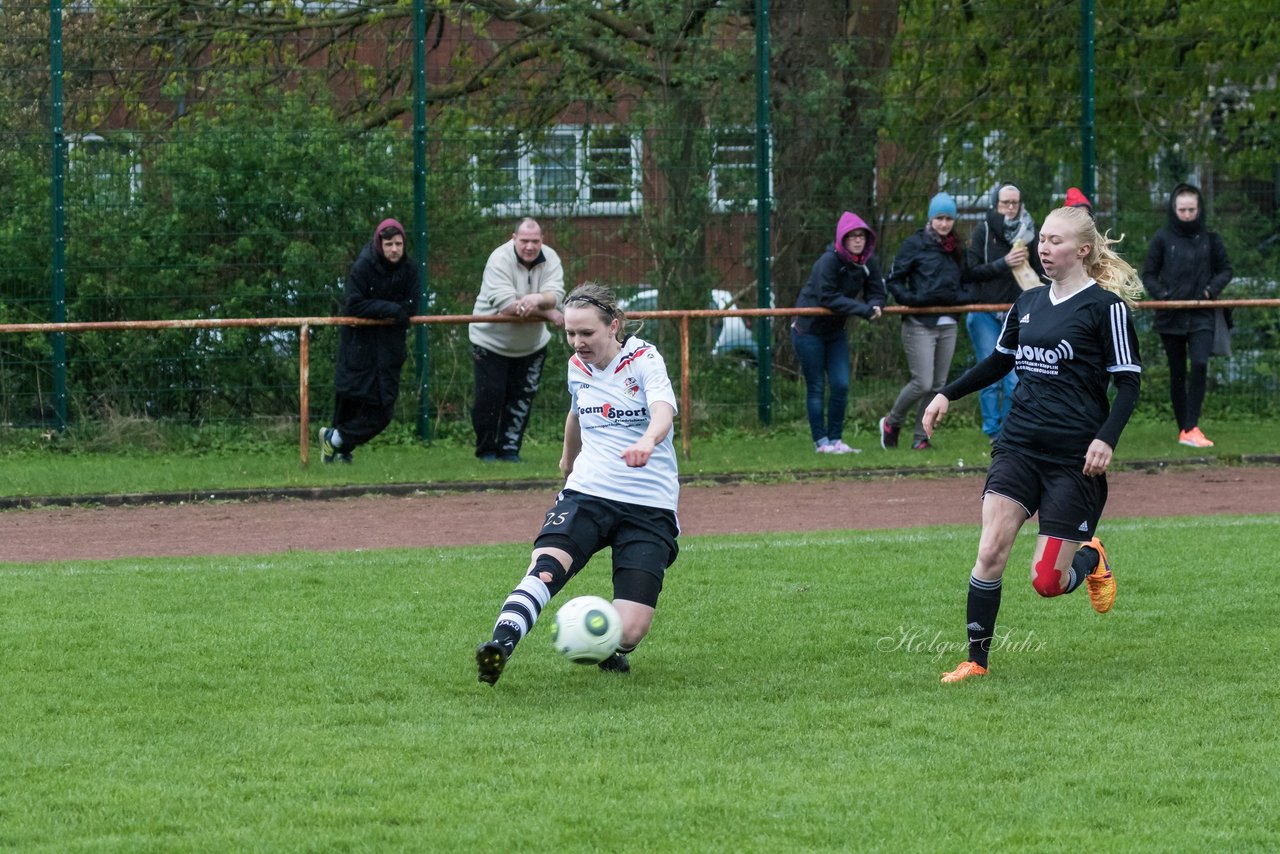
[(828, 70), (984, 93), (244, 208), (266, 136)]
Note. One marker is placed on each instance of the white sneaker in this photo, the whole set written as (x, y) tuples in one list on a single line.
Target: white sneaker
[(839, 447)]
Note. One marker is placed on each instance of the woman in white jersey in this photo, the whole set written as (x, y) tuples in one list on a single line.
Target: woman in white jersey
[(1068, 342), (621, 484)]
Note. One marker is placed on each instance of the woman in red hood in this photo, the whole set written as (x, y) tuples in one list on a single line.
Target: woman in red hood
[(846, 281)]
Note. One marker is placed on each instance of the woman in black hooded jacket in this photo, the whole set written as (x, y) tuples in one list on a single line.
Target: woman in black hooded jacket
[(1186, 261), (384, 283)]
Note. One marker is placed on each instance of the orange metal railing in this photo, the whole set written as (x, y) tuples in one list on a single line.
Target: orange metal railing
[(304, 324)]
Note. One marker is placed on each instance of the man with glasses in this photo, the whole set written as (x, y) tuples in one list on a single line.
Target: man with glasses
[(1005, 239)]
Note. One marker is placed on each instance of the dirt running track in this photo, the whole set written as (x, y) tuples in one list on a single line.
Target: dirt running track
[(375, 522)]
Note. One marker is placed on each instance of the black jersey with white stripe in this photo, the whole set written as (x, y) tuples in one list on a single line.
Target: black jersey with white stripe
[(1065, 353)]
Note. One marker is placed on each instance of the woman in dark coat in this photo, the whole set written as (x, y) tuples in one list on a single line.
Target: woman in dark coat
[(1186, 261), (845, 280), (384, 283), (927, 271)]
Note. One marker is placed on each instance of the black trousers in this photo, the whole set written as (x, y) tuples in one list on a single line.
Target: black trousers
[(358, 421), (505, 389), (1186, 391)]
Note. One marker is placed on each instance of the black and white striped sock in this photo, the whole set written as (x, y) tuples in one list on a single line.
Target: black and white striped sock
[(520, 611)]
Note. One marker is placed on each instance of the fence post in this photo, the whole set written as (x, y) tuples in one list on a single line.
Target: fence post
[(58, 139), (686, 420), (420, 339), (764, 328), (1088, 157), (304, 396)]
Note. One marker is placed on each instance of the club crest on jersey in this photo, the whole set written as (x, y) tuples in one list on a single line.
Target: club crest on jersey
[(1044, 361), (630, 387)]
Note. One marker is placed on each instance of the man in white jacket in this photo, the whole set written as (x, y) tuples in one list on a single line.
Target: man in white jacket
[(522, 279)]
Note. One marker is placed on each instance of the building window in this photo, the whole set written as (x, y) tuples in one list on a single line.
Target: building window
[(496, 167), (106, 174), (555, 172), (610, 167), (565, 170), (965, 168), (733, 170)]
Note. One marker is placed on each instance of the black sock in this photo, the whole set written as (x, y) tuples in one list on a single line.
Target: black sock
[(507, 635), (984, 603), (1084, 562)]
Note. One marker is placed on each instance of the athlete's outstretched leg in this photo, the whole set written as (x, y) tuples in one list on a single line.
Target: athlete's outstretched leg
[(549, 570)]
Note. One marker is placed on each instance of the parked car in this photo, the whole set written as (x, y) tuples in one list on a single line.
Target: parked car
[(732, 335)]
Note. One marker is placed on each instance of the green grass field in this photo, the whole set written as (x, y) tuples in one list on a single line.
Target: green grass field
[(71, 470), (787, 700)]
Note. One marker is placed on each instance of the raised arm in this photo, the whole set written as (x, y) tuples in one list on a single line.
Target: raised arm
[(661, 416)]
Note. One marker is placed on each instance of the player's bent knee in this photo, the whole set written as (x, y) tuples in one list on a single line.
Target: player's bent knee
[(1046, 579), (548, 568), (1047, 582)]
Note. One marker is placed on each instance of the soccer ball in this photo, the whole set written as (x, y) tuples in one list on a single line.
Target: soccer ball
[(588, 630)]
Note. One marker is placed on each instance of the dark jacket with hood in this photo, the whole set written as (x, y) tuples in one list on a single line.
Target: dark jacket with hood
[(370, 357), (1185, 261), (992, 278), (841, 282), (929, 270)]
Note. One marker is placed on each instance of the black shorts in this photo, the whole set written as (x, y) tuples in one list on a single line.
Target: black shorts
[(643, 540), (1069, 503)]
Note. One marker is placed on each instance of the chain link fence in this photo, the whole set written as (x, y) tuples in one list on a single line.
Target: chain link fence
[(187, 160)]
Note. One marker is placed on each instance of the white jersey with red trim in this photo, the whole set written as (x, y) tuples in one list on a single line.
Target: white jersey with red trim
[(612, 404)]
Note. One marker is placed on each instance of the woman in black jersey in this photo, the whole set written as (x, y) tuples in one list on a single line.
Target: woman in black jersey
[(1067, 341)]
